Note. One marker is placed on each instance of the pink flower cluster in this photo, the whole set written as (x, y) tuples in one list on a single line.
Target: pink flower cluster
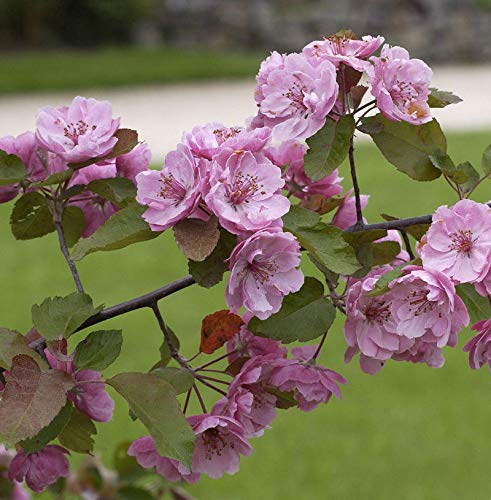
[(69, 135), (248, 408)]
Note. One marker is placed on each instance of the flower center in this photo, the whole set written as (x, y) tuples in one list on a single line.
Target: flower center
[(222, 134), (243, 188), (214, 443), (377, 311), (405, 95), (263, 271), (418, 302), (172, 189), (296, 94), (74, 130), (462, 241)]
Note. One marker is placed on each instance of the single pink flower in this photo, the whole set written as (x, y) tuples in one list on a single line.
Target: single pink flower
[(289, 156), (131, 164), (263, 269), (345, 215), (143, 449), (458, 242), (484, 287), (83, 130), (248, 400), (245, 191), (90, 397), (343, 49), (311, 384), (14, 490), (25, 147), (422, 352), (219, 443), (479, 346), (40, 469), (424, 304), (275, 61), (173, 193), (400, 85), (204, 141), (294, 97)]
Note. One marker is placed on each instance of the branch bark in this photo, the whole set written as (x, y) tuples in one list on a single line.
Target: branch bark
[(356, 187), (66, 254)]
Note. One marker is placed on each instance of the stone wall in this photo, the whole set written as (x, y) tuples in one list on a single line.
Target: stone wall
[(436, 30)]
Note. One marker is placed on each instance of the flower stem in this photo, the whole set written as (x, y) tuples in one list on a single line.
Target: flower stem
[(359, 214)]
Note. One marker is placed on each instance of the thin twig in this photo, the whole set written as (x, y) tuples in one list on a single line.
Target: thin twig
[(186, 402), (66, 254), (213, 379), (319, 347), (216, 360), (200, 398), (366, 105), (359, 214), (407, 243), (204, 382)]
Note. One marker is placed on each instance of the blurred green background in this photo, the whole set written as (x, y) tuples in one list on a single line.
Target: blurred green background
[(409, 432)]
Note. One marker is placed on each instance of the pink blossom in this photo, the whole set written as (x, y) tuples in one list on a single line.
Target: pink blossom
[(458, 242), (173, 193), (204, 141), (25, 147), (83, 130), (422, 352), (40, 469), (424, 304), (90, 396), (370, 328), (263, 269), (311, 384), (219, 443), (131, 164), (248, 400), (402, 256), (289, 156), (275, 61), (294, 97), (343, 49), (14, 490), (484, 287), (345, 215), (247, 345), (479, 346), (245, 191), (143, 449), (400, 85)]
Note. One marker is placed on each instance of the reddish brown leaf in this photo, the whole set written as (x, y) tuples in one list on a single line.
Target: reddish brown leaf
[(320, 204), (31, 399), (197, 238), (217, 328)]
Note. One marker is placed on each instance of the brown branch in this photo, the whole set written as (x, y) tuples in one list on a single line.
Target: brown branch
[(356, 187), (66, 254)]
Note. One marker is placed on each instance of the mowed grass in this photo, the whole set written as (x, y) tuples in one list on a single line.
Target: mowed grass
[(409, 432), (115, 67)]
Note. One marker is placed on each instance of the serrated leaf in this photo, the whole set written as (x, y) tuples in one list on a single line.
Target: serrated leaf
[(477, 306), (486, 161), (31, 399), (77, 433), (441, 98), (56, 178), (13, 343), (408, 147), (304, 315), (444, 163), (117, 190), (329, 147), (50, 432), (210, 271), (123, 228), (196, 238), (471, 174), (325, 243), (12, 170), (217, 328), (61, 316), (99, 350), (73, 222), (181, 379), (154, 402), (31, 217)]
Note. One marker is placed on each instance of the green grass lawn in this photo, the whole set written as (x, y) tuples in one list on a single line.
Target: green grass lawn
[(112, 67), (409, 432)]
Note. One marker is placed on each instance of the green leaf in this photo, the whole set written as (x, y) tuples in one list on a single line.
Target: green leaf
[(117, 190), (377, 253), (61, 316), (78, 432), (325, 243), (73, 222), (471, 174), (181, 379), (444, 163), (56, 178), (31, 217), (134, 493), (31, 399), (125, 465), (210, 271), (13, 343), (329, 147), (304, 315), (196, 238), (441, 98), (12, 169), (486, 161), (154, 402), (408, 147), (120, 230), (477, 305), (382, 284), (50, 432), (284, 400), (99, 350)]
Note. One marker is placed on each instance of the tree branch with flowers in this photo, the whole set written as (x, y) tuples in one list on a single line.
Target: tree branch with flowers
[(248, 201)]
